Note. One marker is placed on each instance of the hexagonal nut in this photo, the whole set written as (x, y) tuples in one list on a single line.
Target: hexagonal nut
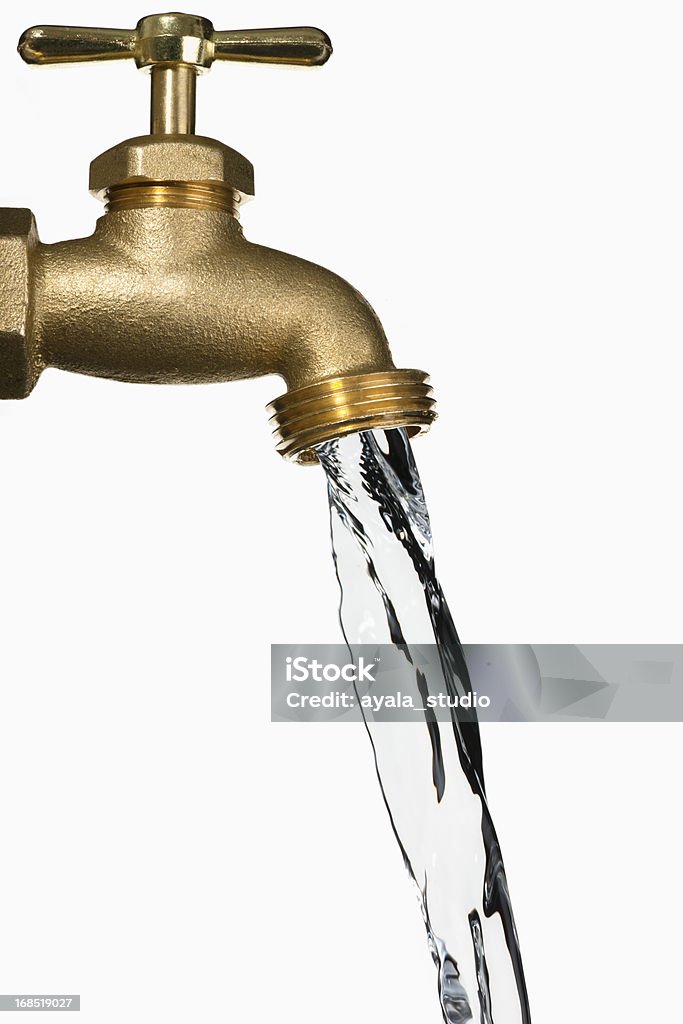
[(171, 158), (19, 365)]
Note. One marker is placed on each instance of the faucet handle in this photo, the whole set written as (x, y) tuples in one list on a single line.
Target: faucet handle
[(174, 39), (310, 47), (66, 44), (176, 47)]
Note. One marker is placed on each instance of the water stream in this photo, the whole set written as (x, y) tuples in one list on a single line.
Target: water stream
[(431, 775)]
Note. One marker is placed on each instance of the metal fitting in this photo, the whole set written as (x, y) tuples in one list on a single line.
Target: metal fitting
[(174, 39), (309, 416), (160, 158), (19, 362)]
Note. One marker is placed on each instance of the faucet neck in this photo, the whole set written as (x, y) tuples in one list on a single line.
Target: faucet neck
[(155, 236)]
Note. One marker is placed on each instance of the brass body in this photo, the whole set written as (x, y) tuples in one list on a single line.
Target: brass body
[(164, 295), (167, 289)]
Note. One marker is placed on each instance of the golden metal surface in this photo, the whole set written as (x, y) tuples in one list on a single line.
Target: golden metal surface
[(174, 39), (332, 408), (67, 44), (176, 47), (167, 289), (163, 295), (19, 361), (174, 97), (171, 158), (307, 46), (184, 195)]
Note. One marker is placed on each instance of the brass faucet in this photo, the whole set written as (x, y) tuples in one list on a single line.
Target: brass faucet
[(167, 289)]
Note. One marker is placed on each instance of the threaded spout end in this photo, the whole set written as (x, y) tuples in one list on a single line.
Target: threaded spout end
[(309, 416), (187, 195)]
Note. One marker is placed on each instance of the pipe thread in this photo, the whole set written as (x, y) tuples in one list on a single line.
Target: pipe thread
[(187, 195), (332, 408)]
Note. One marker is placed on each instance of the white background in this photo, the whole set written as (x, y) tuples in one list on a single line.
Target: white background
[(503, 181)]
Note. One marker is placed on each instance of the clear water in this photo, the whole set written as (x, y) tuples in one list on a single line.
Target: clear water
[(431, 775)]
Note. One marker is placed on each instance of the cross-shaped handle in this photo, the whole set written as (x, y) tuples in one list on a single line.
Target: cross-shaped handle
[(176, 47)]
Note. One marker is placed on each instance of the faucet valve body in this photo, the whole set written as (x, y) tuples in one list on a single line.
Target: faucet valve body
[(167, 289)]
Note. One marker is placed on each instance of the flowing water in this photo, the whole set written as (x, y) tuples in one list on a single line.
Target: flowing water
[(431, 775)]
